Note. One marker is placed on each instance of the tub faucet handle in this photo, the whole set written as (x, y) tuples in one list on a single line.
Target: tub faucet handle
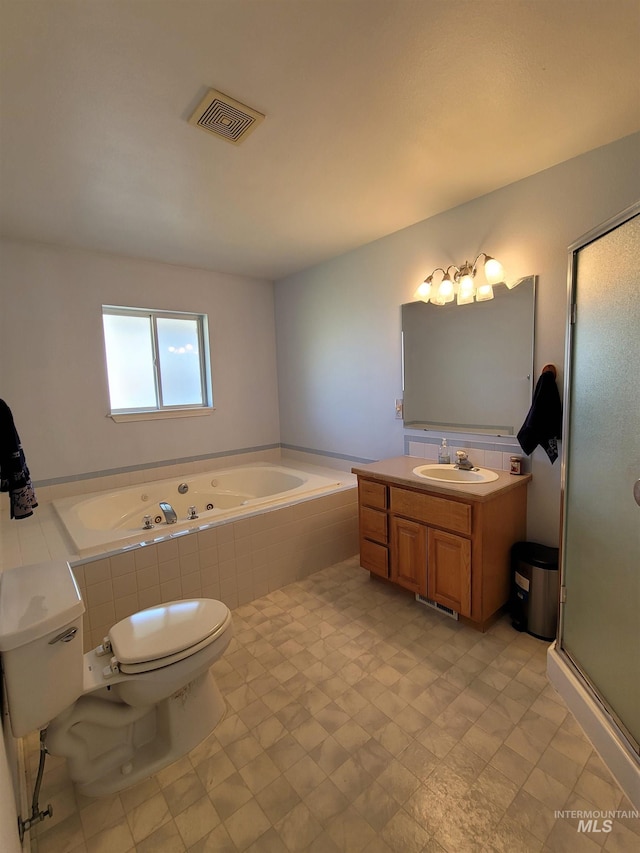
[(193, 513), (148, 524)]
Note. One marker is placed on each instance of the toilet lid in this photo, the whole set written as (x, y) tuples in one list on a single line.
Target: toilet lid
[(167, 629)]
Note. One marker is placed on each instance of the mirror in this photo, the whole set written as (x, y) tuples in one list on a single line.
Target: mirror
[(469, 368)]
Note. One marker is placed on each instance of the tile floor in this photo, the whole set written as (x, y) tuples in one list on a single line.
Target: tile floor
[(359, 720)]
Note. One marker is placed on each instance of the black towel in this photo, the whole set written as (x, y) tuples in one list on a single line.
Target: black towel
[(14, 474), (543, 424)]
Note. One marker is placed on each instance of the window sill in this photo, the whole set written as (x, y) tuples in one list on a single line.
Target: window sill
[(154, 416)]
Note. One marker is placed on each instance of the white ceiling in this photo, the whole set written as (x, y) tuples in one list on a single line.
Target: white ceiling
[(379, 113)]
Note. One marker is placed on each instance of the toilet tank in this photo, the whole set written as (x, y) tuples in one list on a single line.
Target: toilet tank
[(40, 642)]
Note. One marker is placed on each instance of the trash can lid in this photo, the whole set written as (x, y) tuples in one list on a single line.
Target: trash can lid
[(542, 556)]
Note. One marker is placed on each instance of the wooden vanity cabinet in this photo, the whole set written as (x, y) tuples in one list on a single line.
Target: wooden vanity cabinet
[(453, 550)]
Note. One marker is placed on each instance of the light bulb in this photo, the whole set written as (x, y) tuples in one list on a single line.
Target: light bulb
[(466, 290), (445, 290), (493, 271), (467, 283), (484, 292), (423, 292)]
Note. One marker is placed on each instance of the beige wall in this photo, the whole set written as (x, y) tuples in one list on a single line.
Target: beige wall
[(52, 368), (338, 324)]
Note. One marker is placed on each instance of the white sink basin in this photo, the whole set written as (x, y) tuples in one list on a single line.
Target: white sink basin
[(450, 474)]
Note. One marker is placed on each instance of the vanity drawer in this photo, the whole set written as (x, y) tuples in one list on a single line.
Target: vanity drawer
[(373, 524), (374, 557), (372, 494), (429, 509)]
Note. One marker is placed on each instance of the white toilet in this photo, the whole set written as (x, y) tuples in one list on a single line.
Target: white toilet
[(120, 712)]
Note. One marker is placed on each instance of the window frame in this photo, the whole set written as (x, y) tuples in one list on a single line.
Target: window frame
[(160, 410)]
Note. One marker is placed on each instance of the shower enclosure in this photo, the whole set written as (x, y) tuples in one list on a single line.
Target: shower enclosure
[(599, 628)]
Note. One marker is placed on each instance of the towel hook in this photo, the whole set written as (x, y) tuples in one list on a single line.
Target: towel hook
[(550, 368)]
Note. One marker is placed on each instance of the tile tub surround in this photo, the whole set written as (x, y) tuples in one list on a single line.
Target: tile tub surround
[(179, 468), (106, 521), (41, 537), (360, 721), (235, 562)]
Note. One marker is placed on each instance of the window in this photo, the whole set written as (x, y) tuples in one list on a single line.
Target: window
[(157, 361)]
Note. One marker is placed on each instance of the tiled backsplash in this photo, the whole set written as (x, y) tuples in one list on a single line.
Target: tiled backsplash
[(486, 454)]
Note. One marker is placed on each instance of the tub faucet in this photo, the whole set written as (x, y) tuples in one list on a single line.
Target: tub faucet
[(463, 462), (169, 512)]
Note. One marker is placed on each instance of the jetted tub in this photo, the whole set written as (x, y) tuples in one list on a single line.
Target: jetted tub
[(117, 518)]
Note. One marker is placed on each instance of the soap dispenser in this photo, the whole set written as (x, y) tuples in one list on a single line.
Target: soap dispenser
[(443, 453)]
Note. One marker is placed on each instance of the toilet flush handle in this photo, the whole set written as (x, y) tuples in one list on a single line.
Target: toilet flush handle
[(65, 637)]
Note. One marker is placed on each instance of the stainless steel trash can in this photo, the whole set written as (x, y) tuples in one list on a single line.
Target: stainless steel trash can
[(534, 589)]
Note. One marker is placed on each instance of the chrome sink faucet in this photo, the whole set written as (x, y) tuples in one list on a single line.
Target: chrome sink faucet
[(169, 512), (463, 462)]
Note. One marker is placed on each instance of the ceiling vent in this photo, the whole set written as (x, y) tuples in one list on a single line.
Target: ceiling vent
[(221, 115)]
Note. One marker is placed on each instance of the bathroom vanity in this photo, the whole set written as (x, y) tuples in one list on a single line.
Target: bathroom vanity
[(450, 542)]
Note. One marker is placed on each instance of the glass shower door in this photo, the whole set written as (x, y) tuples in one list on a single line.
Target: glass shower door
[(600, 620)]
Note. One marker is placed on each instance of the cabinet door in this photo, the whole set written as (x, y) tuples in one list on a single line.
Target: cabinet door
[(409, 554), (449, 577)]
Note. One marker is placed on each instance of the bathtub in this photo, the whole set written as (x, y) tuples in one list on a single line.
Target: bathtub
[(107, 520)]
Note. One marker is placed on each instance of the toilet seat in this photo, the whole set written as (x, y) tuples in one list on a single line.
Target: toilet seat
[(167, 633)]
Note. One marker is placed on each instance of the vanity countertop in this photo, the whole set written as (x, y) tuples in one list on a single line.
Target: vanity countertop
[(399, 471)]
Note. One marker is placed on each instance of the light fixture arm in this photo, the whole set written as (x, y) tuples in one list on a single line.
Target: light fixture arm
[(437, 269), (456, 274), (481, 255), (467, 269)]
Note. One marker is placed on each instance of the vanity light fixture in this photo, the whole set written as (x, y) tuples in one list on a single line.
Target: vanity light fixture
[(460, 282)]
